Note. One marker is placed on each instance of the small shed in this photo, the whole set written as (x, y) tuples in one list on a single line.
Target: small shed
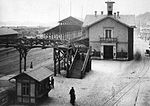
[(32, 85)]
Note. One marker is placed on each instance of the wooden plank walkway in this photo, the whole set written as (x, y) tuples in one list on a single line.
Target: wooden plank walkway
[(76, 70)]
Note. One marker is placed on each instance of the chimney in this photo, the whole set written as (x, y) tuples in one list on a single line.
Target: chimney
[(109, 7), (102, 12), (95, 13), (114, 15), (118, 14)]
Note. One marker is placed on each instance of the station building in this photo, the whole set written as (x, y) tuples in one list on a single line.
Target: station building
[(110, 35)]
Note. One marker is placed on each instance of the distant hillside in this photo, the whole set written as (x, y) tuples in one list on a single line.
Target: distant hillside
[(143, 19)]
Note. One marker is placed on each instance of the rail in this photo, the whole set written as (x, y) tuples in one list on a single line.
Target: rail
[(83, 70), (125, 89), (74, 60)]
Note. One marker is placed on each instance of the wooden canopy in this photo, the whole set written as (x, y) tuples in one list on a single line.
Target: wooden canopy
[(69, 24), (63, 29)]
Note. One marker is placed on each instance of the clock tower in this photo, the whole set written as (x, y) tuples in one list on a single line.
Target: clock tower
[(109, 7)]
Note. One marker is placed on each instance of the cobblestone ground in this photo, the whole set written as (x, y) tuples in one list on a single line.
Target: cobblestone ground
[(93, 90)]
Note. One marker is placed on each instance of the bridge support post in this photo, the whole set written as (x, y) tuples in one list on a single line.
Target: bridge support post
[(64, 61), (89, 63), (59, 61), (54, 58), (23, 54), (20, 63), (67, 64), (25, 58)]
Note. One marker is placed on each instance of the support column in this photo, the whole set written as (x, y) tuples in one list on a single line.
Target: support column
[(64, 62), (90, 63), (70, 56), (67, 64), (54, 58), (20, 63), (25, 56), (59, 61)]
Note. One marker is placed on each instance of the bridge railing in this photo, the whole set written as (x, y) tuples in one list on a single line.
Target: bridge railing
[(31, 42), (86, 67)]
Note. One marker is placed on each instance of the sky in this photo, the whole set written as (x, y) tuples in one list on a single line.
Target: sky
[(49, 12)]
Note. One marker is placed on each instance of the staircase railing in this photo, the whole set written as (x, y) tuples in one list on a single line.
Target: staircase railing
[(85, 64), (72, 64)]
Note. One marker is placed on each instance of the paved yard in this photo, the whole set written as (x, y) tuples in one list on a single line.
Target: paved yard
[(105, 79)]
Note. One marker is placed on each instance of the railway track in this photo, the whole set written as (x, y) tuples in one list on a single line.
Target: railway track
[(37, 56), (114, 99)]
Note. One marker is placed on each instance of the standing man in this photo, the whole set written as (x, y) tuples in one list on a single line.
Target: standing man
[(72, 96), (52, 82)]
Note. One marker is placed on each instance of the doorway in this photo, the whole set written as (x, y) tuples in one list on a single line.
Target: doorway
[(108, 52)]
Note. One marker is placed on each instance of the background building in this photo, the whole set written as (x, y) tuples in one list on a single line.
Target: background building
[(68, 29), (8, 33)]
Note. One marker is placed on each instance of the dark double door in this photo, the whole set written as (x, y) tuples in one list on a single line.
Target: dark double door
[(108, 52)]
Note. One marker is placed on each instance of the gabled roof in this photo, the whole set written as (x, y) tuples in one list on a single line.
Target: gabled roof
[(69, 24), (38, 74), (90, 19), (71, 21), (128, 20), (7, 31), (64, 29)]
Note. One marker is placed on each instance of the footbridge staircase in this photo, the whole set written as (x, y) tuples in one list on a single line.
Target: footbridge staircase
[(81, 63)]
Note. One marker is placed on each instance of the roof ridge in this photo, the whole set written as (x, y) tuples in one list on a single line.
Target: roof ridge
[(128, 19), (34, 69)]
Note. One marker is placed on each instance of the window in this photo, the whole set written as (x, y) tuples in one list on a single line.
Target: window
[(108, 33), (109, 7), (25, 89)]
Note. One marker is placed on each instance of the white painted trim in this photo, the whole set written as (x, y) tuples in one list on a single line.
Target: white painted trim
[(102, 52), (108, 44), (111, 44)]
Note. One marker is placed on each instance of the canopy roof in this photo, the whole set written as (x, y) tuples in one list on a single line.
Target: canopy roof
[(71, 21), (66, 25), (7, 31), (63, 29)]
